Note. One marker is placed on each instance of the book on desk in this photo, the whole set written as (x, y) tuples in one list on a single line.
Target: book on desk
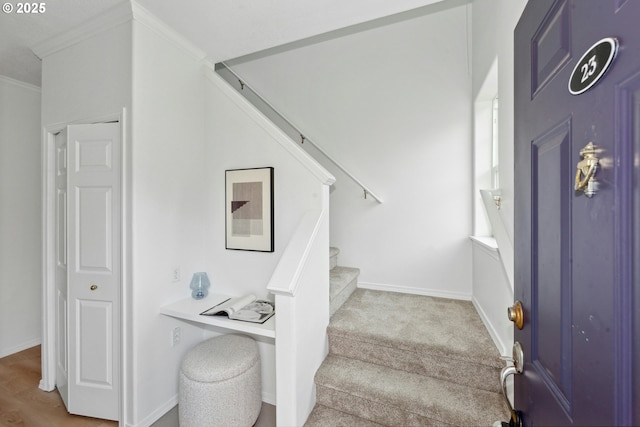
[(246, 308)]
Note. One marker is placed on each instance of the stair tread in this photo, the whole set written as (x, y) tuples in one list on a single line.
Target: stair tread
[(341, 270), (448, 328), (422, 396), (442, 367)]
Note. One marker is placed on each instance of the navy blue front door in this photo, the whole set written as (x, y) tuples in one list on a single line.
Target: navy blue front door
[(577, 258)]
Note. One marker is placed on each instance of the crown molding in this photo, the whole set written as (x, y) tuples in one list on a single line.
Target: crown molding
[(123, 12), (115, 16), (19, 83), (146, 18)]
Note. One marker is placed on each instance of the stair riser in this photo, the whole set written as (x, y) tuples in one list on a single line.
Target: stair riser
[(323, 416), (464, 373), (394, 397), (345, 293), (333, 257), (333, 262), (373, 411)]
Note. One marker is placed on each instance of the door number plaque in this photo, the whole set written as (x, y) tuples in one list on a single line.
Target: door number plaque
[(593, 65)]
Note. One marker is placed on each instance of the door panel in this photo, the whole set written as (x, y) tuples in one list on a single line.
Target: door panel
[(93, 229), (95, 367), (61, 265), (630, 100), (94, 270), (550, 47), (551, 282), (574, 255), (628, 112)]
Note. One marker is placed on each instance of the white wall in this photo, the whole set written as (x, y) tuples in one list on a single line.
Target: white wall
[(493, 22), (493, 25), (186, 133), (89, 79), (239, 137), (393, 105), (169, 212), (20, 216), (492, 294), (235, 140)]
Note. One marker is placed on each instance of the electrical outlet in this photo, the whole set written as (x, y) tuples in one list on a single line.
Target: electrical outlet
[(175, 274), (175, 336)]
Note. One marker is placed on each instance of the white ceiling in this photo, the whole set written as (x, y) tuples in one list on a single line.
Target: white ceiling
[(18, 32), (223, 29)]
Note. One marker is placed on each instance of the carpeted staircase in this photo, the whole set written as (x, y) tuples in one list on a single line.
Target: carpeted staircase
[(343, 281), (405, 360)]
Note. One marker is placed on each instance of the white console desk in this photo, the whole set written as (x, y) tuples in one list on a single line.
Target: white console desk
[(190, 309)]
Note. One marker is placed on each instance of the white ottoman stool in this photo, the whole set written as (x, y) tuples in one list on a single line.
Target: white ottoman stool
[(220, 383)]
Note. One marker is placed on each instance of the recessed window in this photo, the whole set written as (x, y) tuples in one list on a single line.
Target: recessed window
[(495, 156), (486, 148)]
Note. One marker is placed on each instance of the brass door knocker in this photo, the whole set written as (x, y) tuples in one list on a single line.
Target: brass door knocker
[(587, 167)]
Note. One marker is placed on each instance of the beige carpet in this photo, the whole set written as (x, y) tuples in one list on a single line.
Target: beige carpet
[(400, 359)]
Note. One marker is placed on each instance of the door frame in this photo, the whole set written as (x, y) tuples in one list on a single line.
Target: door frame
[(48, 378)]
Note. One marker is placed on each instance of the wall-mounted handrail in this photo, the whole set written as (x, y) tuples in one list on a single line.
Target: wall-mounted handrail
[(303, 139)]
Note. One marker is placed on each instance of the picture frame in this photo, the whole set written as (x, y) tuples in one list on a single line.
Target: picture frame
[(249, 220)]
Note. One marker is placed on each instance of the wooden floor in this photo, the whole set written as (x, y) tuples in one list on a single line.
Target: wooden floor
[(23, 404)]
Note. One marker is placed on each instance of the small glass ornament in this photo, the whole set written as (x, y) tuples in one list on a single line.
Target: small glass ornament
[(199, 285)]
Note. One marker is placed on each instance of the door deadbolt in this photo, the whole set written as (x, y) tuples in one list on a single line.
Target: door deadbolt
[(517, 368), (516, 314)]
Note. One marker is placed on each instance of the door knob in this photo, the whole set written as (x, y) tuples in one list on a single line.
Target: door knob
[(516, 315), (93, 287)]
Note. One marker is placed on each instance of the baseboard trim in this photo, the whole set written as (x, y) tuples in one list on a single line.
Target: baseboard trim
[(416, 291), (22, 346), (158, 413), (500, 345), (269, 398)]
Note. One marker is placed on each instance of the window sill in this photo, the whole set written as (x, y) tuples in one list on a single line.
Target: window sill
[(489, 244)]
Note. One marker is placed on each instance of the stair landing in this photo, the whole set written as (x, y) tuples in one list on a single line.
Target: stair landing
[(423, 324)]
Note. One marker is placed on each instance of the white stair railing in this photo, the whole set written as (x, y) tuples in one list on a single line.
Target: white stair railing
[(289, 128)]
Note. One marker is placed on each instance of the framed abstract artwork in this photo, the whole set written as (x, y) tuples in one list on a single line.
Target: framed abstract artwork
[(249, 209)]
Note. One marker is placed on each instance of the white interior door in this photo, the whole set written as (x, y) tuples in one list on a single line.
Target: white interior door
[(94, 272), (61, 311)]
